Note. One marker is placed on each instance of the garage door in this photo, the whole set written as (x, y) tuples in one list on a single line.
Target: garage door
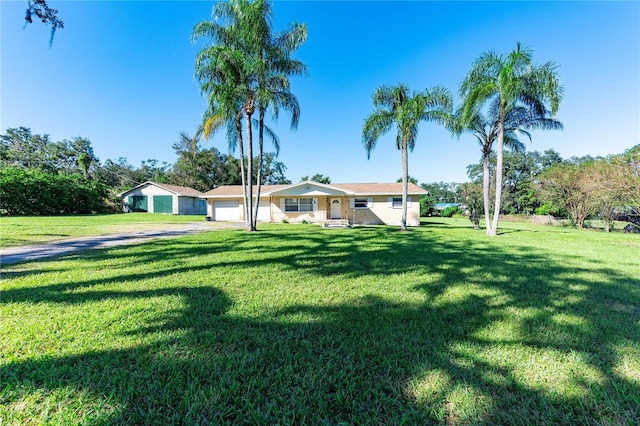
[(226, 210), (138, 203), (264, 211), (162, 204)]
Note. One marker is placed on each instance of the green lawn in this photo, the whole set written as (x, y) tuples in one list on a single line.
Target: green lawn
[(299, 325), (21, 231)]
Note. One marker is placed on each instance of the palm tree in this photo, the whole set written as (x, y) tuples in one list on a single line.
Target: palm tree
[(247, 69), (398, 106), (509, 81), (273, 86), (485, 128)]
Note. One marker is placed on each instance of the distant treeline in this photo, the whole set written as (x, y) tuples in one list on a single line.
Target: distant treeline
[(39, 176)]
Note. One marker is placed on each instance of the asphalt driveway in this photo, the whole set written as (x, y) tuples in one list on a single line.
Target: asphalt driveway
[(60, 248)]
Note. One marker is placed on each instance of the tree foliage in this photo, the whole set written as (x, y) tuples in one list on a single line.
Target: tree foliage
[(471, 195), (604, 187), (36, 192), (318, 177)]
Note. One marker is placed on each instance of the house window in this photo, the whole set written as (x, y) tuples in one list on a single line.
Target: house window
[(396, 202), (360, 203), (298, 204)]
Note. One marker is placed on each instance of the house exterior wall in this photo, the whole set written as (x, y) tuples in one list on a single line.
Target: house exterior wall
[(379, 210), (278, 213), (188, 205), (382, 211)]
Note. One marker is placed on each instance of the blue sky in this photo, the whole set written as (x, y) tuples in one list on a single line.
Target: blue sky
[(121, 74)]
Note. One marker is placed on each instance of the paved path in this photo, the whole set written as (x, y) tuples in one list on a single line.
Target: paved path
[(59, 248)]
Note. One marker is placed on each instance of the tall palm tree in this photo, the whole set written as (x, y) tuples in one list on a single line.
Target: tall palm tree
[(273, 86), (404, 109), (518, 122), (510, 81), (246, 70)]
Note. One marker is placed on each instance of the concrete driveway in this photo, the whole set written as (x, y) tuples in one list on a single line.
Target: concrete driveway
[(13, 255)]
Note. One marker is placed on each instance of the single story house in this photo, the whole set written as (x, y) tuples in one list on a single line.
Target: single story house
[(353, 203), (156, 197)]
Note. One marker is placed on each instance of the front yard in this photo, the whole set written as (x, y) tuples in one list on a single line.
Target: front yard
[(300, 325)]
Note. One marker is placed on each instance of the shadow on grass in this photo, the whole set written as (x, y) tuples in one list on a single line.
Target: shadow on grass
[(437, 358)]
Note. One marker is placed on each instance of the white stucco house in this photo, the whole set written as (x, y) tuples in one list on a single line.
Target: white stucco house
[(353, 203), (156, 197)]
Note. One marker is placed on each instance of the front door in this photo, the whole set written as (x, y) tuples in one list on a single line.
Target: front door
[(336, 210)]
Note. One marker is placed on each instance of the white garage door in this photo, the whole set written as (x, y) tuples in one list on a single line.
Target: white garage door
[(264, 211), (226, 210)]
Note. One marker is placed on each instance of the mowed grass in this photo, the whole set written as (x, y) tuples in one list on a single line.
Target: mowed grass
[(299, 325), (22, 231)]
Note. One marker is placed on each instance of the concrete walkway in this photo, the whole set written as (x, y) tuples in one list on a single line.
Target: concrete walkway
[(13, 255)]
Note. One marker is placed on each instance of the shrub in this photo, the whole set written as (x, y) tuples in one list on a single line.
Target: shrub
[(36, 193), (450, 211)]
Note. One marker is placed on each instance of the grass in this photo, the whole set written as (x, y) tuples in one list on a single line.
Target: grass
[(299, 325), (21, 231)]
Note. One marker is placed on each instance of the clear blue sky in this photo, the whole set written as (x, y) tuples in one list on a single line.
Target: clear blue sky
[(121, 74)]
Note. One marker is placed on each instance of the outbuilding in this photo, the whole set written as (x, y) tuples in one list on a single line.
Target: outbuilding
[(154, 197)]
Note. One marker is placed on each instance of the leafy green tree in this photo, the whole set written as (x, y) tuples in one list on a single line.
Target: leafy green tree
[(567, 186), (20, 148), (472, 196), (272, 171), (443, 192), (398, 106), (36, 192), (320, 178), (508, 84)]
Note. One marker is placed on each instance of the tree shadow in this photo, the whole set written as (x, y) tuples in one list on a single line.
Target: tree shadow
[(365, 360)]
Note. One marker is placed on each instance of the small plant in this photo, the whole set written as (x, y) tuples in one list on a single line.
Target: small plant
[(450, 211), (304, 222), (284, 220)]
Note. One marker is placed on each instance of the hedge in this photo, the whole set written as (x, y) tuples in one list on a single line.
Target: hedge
[(34, 192)]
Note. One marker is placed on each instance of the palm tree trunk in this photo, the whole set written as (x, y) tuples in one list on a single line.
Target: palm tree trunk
[(242, 168), (405, 179), (499, 152), (486, 179), (260, 161), (248, 213)]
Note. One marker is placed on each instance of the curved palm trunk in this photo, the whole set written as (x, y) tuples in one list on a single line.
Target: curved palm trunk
[(260, 162), (405, 185), (486, 180), (248, 213), (499, 152)]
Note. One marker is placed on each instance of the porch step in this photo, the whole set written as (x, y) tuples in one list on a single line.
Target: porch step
[(336, 223)]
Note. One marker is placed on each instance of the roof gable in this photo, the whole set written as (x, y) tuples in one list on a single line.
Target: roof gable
[(178, 190), (310, 188)]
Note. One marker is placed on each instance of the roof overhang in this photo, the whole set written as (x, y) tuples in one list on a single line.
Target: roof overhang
[(310, 188)]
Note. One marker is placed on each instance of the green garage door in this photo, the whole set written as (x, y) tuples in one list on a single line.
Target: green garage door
[(162, 204), (138, 203)]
